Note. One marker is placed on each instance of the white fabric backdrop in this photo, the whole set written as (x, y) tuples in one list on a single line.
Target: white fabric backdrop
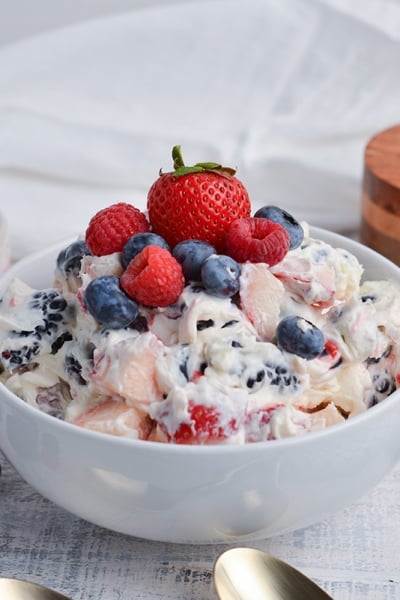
[(288, 92)]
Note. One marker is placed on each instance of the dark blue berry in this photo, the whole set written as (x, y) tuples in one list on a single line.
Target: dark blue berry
[(377, 359), (187, 367), (280, 377), (69, 259), (14, 358), (368, 298), (183, 367), (258, 378), (53, 313), (220, 275), (278, 215), (42, 299), (320, 255), (195, 288), (137, 242), (236, 344), (204, 324), (74, 369), (299, 336), (108, 303), (191, 254), (60, 341), (230, 323), (140, 324), (383, 382)]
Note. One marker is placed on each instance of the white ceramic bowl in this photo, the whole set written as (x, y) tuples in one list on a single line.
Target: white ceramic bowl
[(4, 244), (200, 494)]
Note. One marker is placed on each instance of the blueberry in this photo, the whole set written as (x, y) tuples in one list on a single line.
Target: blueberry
[(14, 358), (383, 382), (258, 378), (383, 385), (69, 259), (299, 336), (108, 304), (52, 315), (42, 299), (191, 254), (278, 215), (204, 324), (320, 255), (377, 359), (140, 324), (368, 298), (55, 313), (183, 369), (236, 344), (279, 376), (137, 242), (220, 275), (230, 323), (54, 308), (74, 369), (59, 342)]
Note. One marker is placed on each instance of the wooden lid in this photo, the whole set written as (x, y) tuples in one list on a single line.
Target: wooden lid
[(380, 226)]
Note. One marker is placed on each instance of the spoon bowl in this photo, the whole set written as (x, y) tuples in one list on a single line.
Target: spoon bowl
[(250, 574), (16, 589)]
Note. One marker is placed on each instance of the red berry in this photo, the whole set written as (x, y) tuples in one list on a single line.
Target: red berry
[(331, 353), (111, 228), (153, 278), (204, 426), (196, 202), (257, 240)]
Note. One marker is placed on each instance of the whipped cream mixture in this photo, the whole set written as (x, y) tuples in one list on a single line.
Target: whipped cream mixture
[(208, 369)]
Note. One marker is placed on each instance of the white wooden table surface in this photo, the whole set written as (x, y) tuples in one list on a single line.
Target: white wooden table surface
[(354, 555)]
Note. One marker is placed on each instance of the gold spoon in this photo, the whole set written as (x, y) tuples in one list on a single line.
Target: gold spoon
[(16, 589), (250, 574), (239, 574)]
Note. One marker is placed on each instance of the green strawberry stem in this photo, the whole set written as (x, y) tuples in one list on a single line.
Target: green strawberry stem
[(177, 157), (181, 169)]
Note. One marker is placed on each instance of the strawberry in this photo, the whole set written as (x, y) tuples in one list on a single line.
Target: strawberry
[(204, 426), (196, 202), (115, 417), (261, 296), (331, 354)]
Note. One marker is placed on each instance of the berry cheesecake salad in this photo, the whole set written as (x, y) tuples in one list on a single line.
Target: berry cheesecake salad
[(199, 322)]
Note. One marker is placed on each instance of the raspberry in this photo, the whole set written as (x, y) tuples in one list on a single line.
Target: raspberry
[(111, 228), (153, 278), (204, 426), (257, 240), (278, 215)]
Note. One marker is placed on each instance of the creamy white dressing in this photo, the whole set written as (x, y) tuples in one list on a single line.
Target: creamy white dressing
[(212, 358)]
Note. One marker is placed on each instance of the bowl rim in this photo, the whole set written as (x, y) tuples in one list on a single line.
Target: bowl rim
[(206, 449)]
